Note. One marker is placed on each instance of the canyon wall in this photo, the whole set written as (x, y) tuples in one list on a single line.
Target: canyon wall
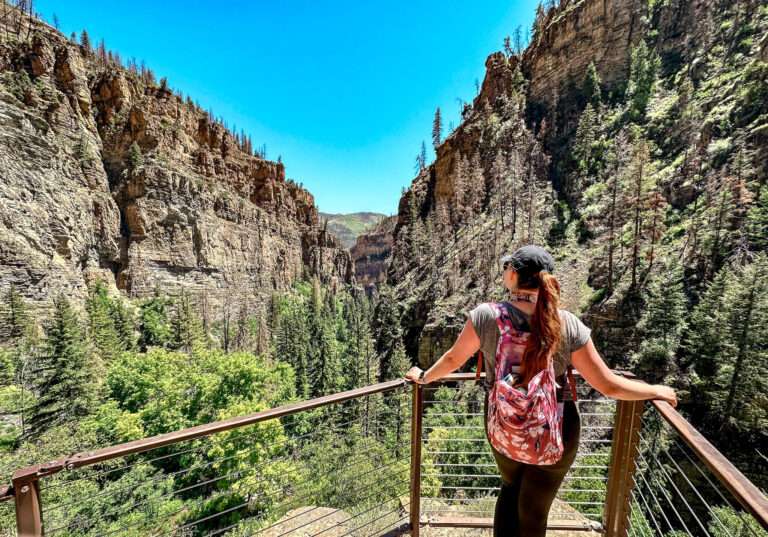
[(107, 174)]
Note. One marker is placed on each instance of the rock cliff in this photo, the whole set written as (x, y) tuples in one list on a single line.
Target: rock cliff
[(108, 175), (371, 253)]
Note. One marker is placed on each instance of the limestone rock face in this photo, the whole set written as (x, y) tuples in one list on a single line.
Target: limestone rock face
[(371, 254), (106, 174), (580, 32)]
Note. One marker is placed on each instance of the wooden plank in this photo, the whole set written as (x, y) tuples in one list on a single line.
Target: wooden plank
[(29, 517), (416, 424), (477, 522), (622, 467)]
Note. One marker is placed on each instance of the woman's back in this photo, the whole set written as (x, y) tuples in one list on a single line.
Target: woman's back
[(574, 334)]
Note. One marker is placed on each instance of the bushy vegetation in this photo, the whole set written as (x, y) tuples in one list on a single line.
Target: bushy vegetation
[(118, 370)]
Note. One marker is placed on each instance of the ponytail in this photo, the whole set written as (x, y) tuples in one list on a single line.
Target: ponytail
[(545, 327)]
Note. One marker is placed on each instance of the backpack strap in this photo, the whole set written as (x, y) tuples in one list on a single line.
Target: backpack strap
[(480, 361), (572, 382)]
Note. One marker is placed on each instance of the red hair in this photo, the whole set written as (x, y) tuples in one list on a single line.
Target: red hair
[(545, 327)]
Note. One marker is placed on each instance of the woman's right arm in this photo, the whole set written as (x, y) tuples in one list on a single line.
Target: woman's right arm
[(595, 371), (466, 345)]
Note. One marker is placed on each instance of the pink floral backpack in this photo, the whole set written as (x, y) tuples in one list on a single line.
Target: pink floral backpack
[(524, 425)]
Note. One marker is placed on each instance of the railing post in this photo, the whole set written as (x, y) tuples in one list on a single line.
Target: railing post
[(626, 438), (26, 486), (416, 415)]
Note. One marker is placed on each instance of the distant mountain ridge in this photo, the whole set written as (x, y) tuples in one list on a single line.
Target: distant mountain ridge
[(347, 227)]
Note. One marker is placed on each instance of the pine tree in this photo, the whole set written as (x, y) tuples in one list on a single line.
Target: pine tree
[(324, 363), (614, 215), (747, 380), (101, 54), (638, 202), (644, 64), (85, 41), (499, 184), (519, 82), (661, 325), (476, 184), (518, 39), (757, 221), (393, 361), (65, 380), (135, 158), (186, 327), (101, 325), (348, 332), (395, 364), (292, 336), (415, 228), (508, 46), (155, 328), (583, 147), (726, 347), (123, 320), (592, 87), (514, 189), (421, 158), (461, 187), (538, 22), (389, 343), (535, 165), (15, 318), (437, 129)]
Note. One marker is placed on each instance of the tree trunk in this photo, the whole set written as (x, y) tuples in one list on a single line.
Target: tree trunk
[(611, 235), (636, 238)]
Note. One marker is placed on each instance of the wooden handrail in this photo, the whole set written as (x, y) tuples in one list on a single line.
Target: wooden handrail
[(747, 494)]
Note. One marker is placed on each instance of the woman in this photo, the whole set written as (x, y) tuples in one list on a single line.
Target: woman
[(528, 490)]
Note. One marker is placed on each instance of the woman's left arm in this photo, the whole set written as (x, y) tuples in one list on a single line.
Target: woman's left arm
[(595, 371)]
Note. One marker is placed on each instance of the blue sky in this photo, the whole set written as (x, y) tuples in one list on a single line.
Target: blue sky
[(344, 91)]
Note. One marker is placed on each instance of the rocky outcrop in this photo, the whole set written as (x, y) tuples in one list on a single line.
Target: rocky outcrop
[(371, 254), (109, 175), (574, 35)]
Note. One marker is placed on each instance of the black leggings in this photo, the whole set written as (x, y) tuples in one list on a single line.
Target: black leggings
[(528, 490)]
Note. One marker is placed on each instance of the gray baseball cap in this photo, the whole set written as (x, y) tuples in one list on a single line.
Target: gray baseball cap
[(530, 259)]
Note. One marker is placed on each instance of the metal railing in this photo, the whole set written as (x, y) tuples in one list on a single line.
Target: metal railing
[(341, 465)]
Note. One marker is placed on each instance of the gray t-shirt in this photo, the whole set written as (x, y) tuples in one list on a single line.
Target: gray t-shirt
[(575, 335)]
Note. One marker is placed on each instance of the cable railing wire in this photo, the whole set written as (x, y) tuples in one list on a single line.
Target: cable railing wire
[(707, 507), (292, 500), (282, 489), (383, 412)]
